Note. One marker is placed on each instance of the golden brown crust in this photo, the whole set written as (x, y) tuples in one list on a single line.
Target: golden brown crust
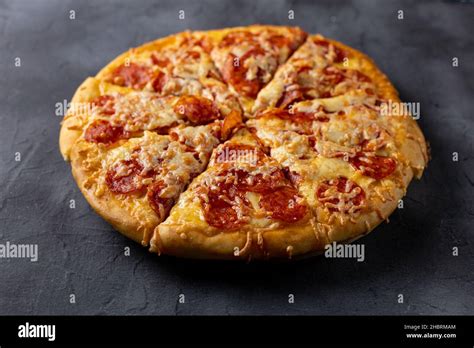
[(283, 243), (185, 232), (73, 122)]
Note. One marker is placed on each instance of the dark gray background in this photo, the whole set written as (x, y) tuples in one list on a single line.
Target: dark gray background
[(79, 253)]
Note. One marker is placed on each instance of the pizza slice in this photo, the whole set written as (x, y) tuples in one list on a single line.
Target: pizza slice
[(347, 160), (324, 68), (350, 127), (107, 113), (176, 65), (242, 206), (163, 65), (248, 57), (133, 184)]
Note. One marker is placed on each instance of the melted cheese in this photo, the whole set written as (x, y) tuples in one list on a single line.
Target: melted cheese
[(188, 68), (263, 65), (201, 138), (306, 68), (332, 198), (143, 111), (172, 160)]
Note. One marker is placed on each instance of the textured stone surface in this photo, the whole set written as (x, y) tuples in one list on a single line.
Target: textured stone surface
[(80, 254)]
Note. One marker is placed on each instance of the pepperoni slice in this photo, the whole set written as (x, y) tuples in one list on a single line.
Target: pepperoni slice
[(357, 75), (283, 204), (265, 184), (239, 37), (198, 110), (242, 181), (333, 76), (236, 38), (280, 41), (105, 103), (101, 131), (222, 213), (124, 176), (159, 82), (258, 182), (339, 54), (233, 153), (232, 121), (132, 75), (341, 195), (376, 167), (161, 62), (300, 116), (203, 42), (225, 205), (160, 205), (277, 196), (192, 55), (235, 73), (312, 142), (290, 97)]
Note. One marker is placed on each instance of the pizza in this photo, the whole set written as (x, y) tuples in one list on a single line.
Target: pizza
[(246, 143)]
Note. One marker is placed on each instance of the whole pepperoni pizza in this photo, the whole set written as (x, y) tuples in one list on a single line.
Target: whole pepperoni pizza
[(251, 142)]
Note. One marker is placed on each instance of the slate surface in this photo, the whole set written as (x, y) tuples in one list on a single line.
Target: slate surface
[(80, 254)]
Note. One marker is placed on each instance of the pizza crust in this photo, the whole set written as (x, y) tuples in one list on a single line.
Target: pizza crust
[(73, 123), (282, 243)]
